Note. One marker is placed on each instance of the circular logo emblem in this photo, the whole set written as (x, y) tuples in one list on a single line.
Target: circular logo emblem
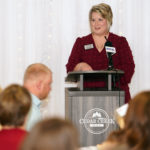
[(96, 121)]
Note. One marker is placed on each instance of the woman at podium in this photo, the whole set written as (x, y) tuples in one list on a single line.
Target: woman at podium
[(90, 52)]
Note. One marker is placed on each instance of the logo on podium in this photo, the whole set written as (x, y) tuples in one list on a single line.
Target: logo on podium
[(96, 121)]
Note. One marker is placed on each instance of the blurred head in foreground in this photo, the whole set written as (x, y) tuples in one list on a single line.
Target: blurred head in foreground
[(52, 134), (136, 131), (15, 102)]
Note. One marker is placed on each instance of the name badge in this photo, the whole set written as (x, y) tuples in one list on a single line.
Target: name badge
[(89, 46), (110, 49)]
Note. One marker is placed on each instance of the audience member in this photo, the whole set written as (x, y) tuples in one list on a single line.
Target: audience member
[(15, 102), (52, 134), (37, 79), (136, 133)]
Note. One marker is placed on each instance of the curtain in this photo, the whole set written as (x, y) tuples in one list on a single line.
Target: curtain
[(45, 31)]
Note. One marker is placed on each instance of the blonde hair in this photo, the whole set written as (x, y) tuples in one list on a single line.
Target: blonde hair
[(105, 11), (35, 71)]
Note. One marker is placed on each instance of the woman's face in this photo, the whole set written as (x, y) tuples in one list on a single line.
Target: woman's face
[(98, 24)]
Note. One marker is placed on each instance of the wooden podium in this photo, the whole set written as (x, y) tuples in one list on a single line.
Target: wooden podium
[(92, 110)]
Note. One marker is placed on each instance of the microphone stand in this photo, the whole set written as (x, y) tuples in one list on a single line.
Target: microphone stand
[(109, 55), (110, 62)]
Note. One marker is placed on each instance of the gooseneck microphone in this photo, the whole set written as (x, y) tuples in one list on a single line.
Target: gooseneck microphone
[(110, 50)]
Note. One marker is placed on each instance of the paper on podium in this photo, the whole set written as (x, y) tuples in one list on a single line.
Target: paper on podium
[(71, 84), (120, 113)]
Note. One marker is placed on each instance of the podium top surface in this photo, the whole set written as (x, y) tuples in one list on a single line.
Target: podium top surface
[(74, 76)]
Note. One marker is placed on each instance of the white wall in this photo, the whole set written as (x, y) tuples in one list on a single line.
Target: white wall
[(45, 30)]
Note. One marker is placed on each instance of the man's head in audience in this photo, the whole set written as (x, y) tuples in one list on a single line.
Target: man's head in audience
[(52, 134), (38, 79), (15, 102)]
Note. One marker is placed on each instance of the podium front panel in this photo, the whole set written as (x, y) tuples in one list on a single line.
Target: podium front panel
[(92, 112)]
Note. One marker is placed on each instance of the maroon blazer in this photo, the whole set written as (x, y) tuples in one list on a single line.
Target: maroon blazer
[(122, 59)]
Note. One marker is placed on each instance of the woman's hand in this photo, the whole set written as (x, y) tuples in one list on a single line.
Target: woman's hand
[(83, 67)]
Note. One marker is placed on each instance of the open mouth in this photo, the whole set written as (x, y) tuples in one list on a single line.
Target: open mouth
[(97, 28)]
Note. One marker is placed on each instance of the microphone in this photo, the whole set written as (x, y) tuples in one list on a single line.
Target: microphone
[(110, 50)]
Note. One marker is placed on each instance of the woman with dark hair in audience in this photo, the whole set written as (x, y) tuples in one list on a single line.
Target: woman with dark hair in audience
[(52, 134), (136, 133), (15, 102)]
